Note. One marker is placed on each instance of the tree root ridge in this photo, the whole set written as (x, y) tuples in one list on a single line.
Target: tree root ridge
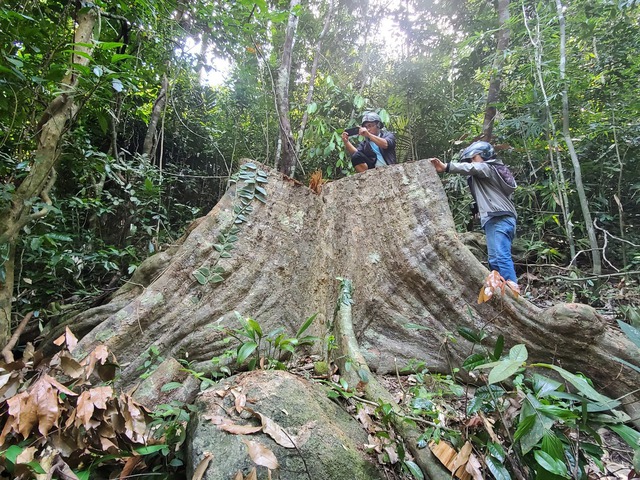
[(349, 351)]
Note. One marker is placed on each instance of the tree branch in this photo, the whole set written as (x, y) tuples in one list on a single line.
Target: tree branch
[(6, 351)]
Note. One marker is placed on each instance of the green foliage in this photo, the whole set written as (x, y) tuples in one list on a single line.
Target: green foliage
[(251, 182), (556, 424), (258, 349)]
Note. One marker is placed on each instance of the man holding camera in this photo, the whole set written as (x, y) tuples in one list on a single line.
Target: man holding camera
[(378, 148)]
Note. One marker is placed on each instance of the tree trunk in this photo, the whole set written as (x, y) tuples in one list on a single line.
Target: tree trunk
[(54, 123), (152, 131), (493, 93), (312, 77), (389, 231), (556, 165), (286, 160), (584, 204)]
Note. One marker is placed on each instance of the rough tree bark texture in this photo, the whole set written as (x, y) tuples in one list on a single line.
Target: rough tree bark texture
[(391, 232)]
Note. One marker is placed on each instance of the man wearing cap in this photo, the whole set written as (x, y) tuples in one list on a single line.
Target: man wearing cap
[(378, 148)]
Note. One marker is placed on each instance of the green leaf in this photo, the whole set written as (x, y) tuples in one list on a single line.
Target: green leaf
[(120, 56), (254, 326), (497, 469), (541, 424), (12, 453), (202, 279), (245, 350), (496, 451), (306, 325), (364, 376), (552, 445), (550, 464), (497, 351), (630, 331), (149, 449), (581, 384), (471, 335), (117, 85), (170, 386), (557, 412), (215, 278), (473, 361), (628, 434), (544, 385), (414, 469), (110, 45), (519, 353), (504, 370), (524, 427)]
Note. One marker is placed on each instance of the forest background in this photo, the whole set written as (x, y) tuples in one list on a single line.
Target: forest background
[(120, 123)]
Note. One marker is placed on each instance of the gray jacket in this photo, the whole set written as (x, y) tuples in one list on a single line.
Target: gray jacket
[(492, 186)]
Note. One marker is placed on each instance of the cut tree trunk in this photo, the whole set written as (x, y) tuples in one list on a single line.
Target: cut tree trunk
[(389, 231)]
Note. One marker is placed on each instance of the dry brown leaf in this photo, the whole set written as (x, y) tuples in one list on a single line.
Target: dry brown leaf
[(61, 388), (239, 429), (460, 462), (391, 452), (261, 455), (451, 459), (493, 283), (202, 466), (365, 420), (129, 466), (88, 401), (253, 474), (45, 401), (241, 401), (71, 367), (474, 468), (488, 425), (239, 475), (135, 424), (68, 338), (275, 431), (26, 456)]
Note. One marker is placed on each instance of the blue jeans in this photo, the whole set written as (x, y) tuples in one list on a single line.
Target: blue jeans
[(500, 232)]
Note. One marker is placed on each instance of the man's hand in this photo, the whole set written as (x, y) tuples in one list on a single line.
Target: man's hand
[(345, 137), (364, 132), (439, 166)]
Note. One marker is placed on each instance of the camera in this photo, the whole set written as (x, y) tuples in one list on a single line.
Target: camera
[(352, 131)]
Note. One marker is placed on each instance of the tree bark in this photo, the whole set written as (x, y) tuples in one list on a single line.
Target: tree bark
[(493, 93), (286, 161), (54, 123), (389, 231), (152, 131), (566, 131)]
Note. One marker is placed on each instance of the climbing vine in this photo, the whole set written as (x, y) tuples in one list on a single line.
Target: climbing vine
[(250, 182)]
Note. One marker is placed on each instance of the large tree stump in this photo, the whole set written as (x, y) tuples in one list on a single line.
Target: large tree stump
[(388, 230)]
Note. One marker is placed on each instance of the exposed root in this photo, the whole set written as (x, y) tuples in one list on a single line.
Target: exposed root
[(349, 351)]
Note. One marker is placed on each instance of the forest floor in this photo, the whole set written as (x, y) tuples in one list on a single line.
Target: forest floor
[(613, 297)]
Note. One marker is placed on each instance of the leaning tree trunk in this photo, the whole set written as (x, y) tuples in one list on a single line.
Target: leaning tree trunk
[(152, 130), (42, 175), (389, 231), (493, 94), (584, 203)]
